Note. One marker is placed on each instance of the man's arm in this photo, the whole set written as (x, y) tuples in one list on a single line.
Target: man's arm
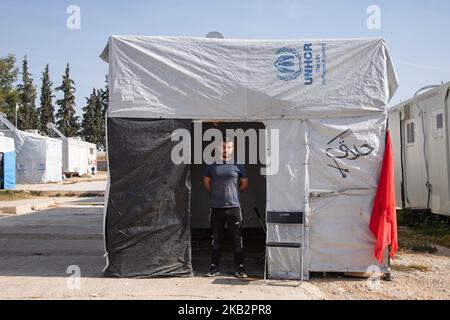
[(207, 183), (243, 184)]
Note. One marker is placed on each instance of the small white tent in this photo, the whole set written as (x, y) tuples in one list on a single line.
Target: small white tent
[(38, 158), (320, 94)]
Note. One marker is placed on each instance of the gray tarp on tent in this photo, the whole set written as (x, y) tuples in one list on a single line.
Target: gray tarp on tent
[(147, 223)]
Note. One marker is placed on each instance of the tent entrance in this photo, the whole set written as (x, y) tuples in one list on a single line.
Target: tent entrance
[(255, 196), (152, 211)]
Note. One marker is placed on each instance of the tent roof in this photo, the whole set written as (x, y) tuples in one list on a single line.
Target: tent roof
[(203, 78)]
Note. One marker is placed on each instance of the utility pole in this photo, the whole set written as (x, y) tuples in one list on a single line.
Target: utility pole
[(15, 118)]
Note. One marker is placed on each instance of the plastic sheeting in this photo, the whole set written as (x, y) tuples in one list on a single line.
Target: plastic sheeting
[(148, 213), (344, 166), (291, 174), (6, 144), (329, 169), (339, 235), (39, 158), (200, 78), (346, 153), (287, 191)]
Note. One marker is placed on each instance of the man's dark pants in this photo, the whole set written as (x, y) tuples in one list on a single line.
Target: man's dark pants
[(233, 218)]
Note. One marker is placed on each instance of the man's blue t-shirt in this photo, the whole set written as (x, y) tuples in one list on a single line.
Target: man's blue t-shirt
[(225, 184)]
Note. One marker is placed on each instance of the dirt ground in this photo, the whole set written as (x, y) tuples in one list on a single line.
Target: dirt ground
[(416, 276)]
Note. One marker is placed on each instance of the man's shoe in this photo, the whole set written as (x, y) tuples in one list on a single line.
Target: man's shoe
[(240, 272), (213, 271)]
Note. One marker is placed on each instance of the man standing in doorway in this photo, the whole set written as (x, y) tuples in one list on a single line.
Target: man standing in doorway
[(224, 183)]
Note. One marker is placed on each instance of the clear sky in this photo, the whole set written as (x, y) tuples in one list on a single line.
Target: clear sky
[(417, 32)]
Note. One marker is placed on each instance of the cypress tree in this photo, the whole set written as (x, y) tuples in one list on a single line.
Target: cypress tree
[(9, 95), (87, 129), (46, 111), (92, 129), (104, 99), (27, 113), (8, 72), (67, 122)]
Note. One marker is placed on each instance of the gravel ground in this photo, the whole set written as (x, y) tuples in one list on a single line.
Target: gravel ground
[(416, 277)]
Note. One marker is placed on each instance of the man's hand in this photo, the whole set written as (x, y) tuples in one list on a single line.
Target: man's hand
[(243, 184), (207, 183)]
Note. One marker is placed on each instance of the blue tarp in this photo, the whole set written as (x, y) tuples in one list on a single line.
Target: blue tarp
[(8, 178)]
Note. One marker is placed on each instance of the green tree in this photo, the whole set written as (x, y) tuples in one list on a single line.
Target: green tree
[(104, 98), (9, 96), (46, 111), (8, 72), (67, 122), (8, 101), (92, 128), (27, 114)]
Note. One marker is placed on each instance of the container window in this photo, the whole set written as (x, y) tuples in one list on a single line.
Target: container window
[(439, 121), (410, 133)]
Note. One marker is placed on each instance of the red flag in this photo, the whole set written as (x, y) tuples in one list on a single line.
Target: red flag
[(383, 222)]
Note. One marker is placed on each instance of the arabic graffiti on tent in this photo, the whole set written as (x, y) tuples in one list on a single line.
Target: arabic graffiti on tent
[(338, 151)]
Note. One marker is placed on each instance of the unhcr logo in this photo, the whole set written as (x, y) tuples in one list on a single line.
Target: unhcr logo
[(291, 64), (288, 64)]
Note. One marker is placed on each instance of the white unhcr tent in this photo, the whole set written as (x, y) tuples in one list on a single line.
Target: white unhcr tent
[(327, 98), (38, 158)]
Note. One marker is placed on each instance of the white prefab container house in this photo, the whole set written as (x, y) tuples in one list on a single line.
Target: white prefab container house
[(79, 157), (421, 146)]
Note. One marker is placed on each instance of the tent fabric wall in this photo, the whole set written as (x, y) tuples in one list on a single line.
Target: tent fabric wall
[(355, 145), (344, 167), (39, 158), (148, 209), (198, 78), (309, 180), (339, 235), (287, 191)]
